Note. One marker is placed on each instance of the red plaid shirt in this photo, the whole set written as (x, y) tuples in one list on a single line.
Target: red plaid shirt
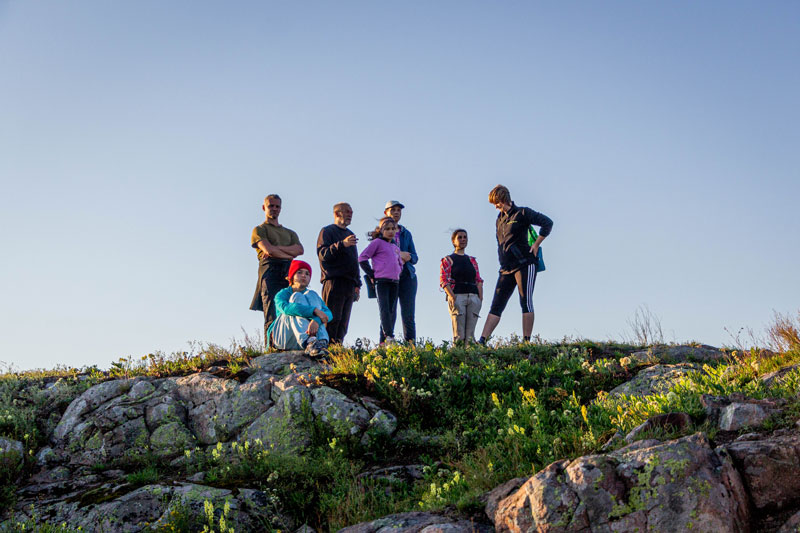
[(446, 279)]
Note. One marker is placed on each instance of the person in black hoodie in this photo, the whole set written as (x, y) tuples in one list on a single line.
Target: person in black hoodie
[(518, 259), (338, 261)]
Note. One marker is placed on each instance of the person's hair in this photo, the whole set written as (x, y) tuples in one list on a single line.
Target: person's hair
[(340, 206), (269, 197), (456, 232), (500, 195), (376, 233)]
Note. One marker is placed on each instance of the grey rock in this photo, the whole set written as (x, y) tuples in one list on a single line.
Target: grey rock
[(686, 353), (220, 408), (679, 485), (655, 380), (141, 390), (332, 407), (413, 522), (779, 376), (279, 386), (89, 401), (11, 450), (395, 474), (746, 412), (493, 498), (277, 431), (742, 415), (283, 363), (46, 456), (165, 410), (170, 440), (770, 468), (383, 422)]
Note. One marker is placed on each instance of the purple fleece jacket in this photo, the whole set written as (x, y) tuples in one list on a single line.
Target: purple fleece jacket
[(385, 257)]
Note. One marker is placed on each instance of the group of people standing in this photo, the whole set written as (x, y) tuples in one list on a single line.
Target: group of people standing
[(295, 317)]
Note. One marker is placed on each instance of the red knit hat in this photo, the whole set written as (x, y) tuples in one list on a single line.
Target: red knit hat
[(295, 266)]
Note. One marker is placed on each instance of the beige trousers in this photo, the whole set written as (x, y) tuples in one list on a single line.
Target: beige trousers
[(465, 313)]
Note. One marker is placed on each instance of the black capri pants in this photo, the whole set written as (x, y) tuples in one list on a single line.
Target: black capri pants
[(524, 279)]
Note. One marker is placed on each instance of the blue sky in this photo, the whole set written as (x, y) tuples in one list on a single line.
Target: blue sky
[(138, 139)]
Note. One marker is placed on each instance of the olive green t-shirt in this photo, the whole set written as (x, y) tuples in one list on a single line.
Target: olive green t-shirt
[(275, 235)]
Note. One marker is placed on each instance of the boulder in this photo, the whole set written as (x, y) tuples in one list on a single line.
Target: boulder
[(656, 379), (283, 363), (415, 522), (735, 412), (334, 408), (11, 452), (150, 507), (770, 468), (219, 408), (779, 376), (679, 485), (702, 353)]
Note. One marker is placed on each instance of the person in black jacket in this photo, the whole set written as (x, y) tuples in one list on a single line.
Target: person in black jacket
[(338, 261), (518, 259)]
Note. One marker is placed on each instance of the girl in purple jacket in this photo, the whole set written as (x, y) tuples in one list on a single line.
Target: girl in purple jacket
[(385, 272)]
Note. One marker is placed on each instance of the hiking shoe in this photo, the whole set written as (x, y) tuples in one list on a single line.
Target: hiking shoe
[(318, 349), (310, 344)]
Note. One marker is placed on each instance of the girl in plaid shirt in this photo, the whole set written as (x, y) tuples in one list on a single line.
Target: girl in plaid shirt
[(461, 281)]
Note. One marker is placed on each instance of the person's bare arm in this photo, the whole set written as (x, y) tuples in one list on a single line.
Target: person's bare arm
[(480, 291), (275, 252), (293, 250)]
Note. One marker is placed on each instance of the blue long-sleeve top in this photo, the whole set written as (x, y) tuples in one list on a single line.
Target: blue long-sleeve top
[(283, 306)]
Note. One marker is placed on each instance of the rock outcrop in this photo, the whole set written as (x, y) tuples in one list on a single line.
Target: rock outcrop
[(679, 485), (117, 421)]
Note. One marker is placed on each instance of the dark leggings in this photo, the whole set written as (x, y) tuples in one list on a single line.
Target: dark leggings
[(387, 291), (523, 280)]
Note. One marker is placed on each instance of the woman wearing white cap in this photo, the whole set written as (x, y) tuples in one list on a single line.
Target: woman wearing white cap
[(408, 278)]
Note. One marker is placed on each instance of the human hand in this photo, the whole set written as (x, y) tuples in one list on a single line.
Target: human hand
[(321, 314), (313, 328), (535, 249), (405, 256), (357, 294), (351, 240)]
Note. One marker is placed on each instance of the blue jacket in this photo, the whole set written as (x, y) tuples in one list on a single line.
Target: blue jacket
[(406, 243), (284, 307)]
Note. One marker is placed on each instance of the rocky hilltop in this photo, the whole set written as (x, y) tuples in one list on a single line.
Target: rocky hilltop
[(551, 438)]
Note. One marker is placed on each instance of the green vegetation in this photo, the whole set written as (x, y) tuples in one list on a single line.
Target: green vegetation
[(474, 417)]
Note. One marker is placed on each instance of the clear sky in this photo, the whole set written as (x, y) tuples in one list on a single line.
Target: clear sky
[(138, 139)]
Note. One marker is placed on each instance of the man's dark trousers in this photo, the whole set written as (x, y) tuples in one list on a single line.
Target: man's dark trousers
[(407, 297), (338, 294), (273, 280)]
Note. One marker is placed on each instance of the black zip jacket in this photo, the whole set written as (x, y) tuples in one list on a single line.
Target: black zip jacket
[(513, 250)]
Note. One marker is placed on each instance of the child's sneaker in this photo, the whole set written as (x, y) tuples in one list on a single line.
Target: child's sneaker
[(318, 349), (310, 344)]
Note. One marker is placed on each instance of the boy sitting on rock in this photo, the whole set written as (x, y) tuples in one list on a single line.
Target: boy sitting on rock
[(301, 315)]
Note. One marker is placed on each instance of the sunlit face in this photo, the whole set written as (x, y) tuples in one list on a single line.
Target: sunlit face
[(388, 231), (395, 212), (460, 240), (343, 216), (272, 208), (301, 279)]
